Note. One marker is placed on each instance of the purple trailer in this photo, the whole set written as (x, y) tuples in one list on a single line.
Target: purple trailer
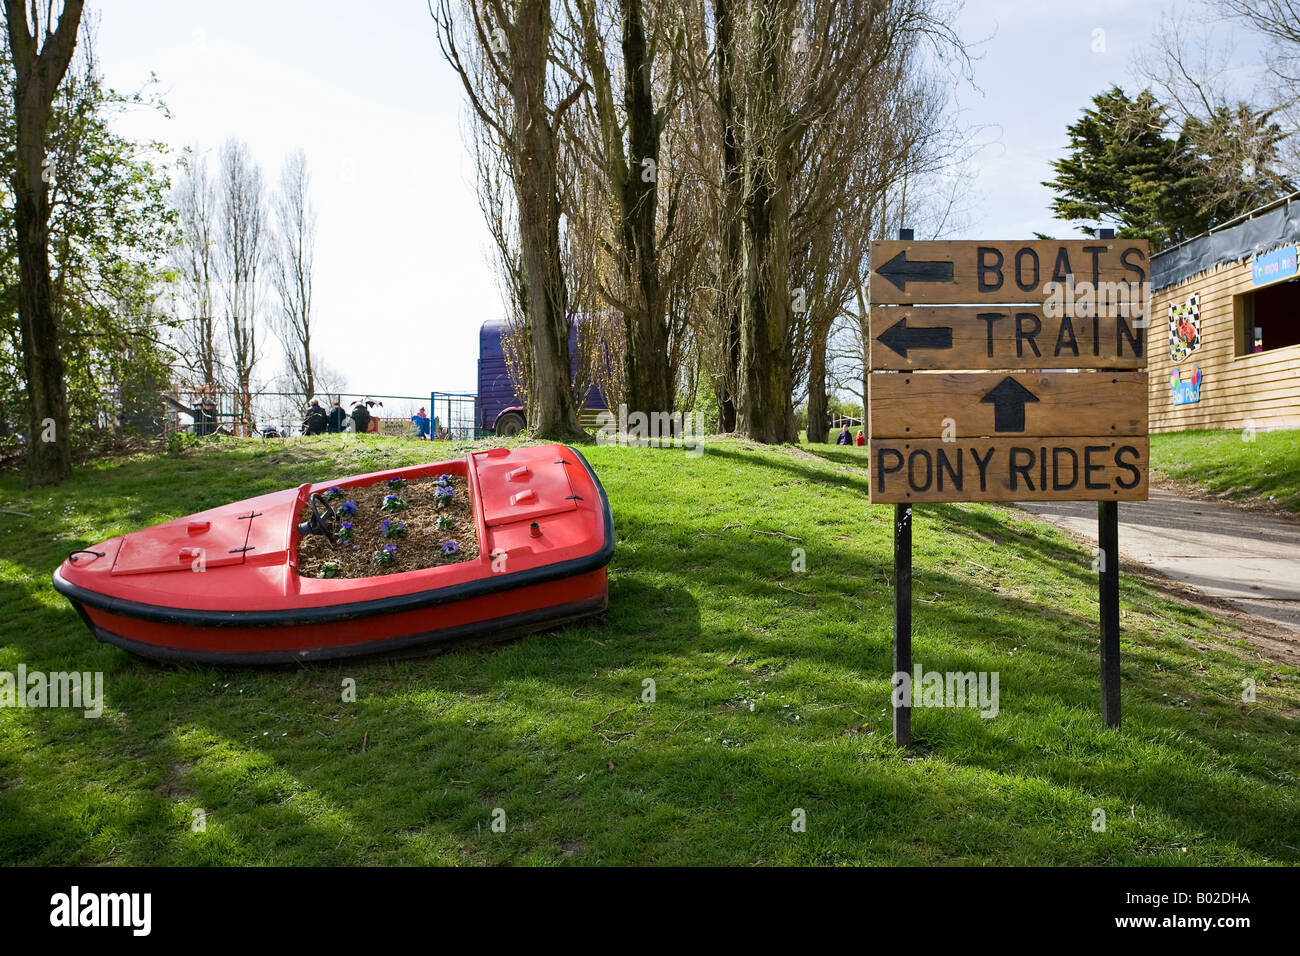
[(500, 406)]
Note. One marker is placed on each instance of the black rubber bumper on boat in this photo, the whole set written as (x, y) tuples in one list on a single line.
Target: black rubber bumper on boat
[(352, 611), (480, 632)]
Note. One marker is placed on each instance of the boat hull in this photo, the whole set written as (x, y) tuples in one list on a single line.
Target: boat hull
[(558, 575), (403, 633)]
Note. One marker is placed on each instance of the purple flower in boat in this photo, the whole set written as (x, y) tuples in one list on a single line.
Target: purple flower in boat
[(392, 529), (396, 482), (333, 492), (385, 555), (346, 532), (349, 508), (444, 480), (450, 547), (392, 503), (444, 494)]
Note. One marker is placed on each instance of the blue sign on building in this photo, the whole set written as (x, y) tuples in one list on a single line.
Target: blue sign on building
[(1186, 391), (1274, 266)]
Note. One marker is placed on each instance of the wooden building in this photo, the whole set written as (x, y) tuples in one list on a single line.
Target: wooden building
[(1225, 326)]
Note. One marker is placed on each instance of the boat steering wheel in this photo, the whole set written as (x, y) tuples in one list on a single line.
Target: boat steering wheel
[(326, 523)]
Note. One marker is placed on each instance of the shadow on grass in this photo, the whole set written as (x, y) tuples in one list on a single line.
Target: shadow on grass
[(793, 467), (1055, 551), (552, 729), (421, 753), (1068, 638)]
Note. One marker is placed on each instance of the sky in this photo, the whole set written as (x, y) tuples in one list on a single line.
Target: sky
[(403, 277)]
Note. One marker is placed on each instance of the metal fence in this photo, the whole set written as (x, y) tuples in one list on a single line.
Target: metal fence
[(205, 411), (208, 410), (455, 416)]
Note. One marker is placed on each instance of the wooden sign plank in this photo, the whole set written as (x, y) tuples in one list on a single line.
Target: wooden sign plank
[(973, 337), (1001, 405), (1030, 469), (904, 272)]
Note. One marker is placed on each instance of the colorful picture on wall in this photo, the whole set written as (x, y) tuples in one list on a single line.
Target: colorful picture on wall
[(1185, 328), (1186, 391)]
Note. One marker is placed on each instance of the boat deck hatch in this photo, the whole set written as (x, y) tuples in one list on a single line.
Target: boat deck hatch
[(511, 493), (187, 545)]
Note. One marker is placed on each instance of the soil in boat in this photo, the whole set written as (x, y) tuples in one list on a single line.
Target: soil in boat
[(424, 543)]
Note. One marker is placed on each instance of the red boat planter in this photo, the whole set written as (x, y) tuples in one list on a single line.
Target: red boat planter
[(545, 536)]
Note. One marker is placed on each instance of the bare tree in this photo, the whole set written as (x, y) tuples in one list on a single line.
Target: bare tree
[(38, 73), (293, 248), (195, 201), (727, 216), (1233, 151), (489, 49), (630, 55), (936, 212), (706, 159), (792, 66), (330, 381), (1189, 63), (1278, 21), (241, 240), (495, 191), (852, 186)]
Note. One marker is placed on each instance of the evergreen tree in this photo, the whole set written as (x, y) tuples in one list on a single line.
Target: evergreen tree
[(1122, 168)]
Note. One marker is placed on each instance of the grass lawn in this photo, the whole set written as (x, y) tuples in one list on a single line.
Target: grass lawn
[(771, 695), (1225, 462)]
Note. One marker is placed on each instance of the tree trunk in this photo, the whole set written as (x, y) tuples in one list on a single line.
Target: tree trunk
[(241, 255), (649, 386), (864, 324), (728, 319), (49, 451), (37, 78), (293, 246), (817, 423), (765, 410), (552, 412)]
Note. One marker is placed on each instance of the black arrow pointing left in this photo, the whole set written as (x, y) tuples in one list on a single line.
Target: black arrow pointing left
[(900, 272), (900, 338)]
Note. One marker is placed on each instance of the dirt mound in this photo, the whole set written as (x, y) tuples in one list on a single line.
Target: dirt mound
[(394, 528)]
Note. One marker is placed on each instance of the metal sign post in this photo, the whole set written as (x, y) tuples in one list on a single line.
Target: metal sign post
[(903, 619), (1108, 595)]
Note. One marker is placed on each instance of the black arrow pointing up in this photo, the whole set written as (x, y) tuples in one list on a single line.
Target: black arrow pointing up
[(900, 272), (1008, 399), (900, 338)]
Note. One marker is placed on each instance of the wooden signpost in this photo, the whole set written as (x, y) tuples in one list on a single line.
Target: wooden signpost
[(988, 337), (973, 273), (1008, 371)]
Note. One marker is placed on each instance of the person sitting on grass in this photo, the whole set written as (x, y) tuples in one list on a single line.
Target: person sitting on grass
[(845, 437), (861, 440), (361, 417), (337, 418), (316, 421)]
